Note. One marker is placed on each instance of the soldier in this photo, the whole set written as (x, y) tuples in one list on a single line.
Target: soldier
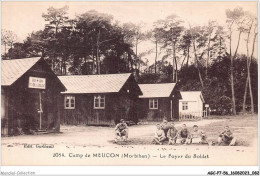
[(165, 127), (198, 136), (226, 137), (121, 130), (159, 135), (172, 134), (183, 136)]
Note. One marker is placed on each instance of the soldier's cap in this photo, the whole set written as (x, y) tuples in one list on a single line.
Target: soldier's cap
[(164, 120), (122, 120), (195, 125)]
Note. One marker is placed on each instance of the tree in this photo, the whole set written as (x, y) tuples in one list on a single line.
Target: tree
[(219, 44), (57, 18), (234, 17), (134, 35), (104, 42), (155, 35), (171, 30), (209, 32), (185, 45), (195, 33), (252, 23), (8, 38)]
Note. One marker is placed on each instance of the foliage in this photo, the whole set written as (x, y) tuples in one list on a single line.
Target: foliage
[(197, 58)]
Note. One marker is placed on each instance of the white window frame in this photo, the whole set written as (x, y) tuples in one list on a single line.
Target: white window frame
[(71, 97), (185, 106), (153, 100), (99, 98)]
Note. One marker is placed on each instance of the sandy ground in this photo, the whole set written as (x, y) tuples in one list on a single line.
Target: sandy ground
[(84, 145), (93, 136)]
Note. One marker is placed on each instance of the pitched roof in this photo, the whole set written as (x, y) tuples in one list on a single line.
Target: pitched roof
[(15, 68), (156, 90), (80, 84), (191, 96)]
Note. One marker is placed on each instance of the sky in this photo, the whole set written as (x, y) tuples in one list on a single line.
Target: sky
[(26, 17)]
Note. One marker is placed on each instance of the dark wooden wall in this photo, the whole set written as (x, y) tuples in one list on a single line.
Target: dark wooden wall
[(22, 103), (164, 109), (122, 104), (117, 106)]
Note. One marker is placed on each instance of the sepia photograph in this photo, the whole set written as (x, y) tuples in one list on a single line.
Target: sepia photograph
[(129, 83)]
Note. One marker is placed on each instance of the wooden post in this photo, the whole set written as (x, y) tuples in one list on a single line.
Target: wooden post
[(40, 110), (171, 111)]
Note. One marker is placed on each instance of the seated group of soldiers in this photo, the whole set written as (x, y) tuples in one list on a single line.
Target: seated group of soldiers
[(166, 131)]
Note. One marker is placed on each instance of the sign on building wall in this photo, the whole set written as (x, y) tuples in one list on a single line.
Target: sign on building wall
[(37, 83)]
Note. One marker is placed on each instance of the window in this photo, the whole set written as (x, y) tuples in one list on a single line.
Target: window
[(184, 105), (153, 103), (69, 102), (99, 102)]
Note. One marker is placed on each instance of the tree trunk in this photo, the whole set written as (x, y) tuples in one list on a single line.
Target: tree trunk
[(220, 49), (11, 51), (232, 72), (156, 52), (136, 47), (183, 61), (188, 53), (248, 65), (249, 78), (250, 92), (196, 57), (197, 61), (232, 87), (93, 63), (207, 61), (245, 93), (173, 61), (65, 68), (98, 59), (176, 69), (5, 49)]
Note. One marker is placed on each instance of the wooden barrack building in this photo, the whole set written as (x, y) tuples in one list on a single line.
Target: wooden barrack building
[(159, 101), (30, 92), (99, 99)]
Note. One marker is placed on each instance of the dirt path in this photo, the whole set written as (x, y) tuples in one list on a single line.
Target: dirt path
[(93, 136), (87, 145)]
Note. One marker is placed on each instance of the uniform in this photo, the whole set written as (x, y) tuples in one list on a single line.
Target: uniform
[(165, 128), (198, 136), (227, 138), (159, 136), (172, 135), (183, 136), (121, 130)]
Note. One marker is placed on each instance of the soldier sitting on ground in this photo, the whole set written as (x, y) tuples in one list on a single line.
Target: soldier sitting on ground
[(226, 137), (172, 134), (121, 130), (165, 127), (198, 136), (159, 135), (183, 136)]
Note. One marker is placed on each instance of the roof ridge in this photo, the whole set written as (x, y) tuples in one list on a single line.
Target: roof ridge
[(94, 83), (22, 59), (95, 75), (156, 83)]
